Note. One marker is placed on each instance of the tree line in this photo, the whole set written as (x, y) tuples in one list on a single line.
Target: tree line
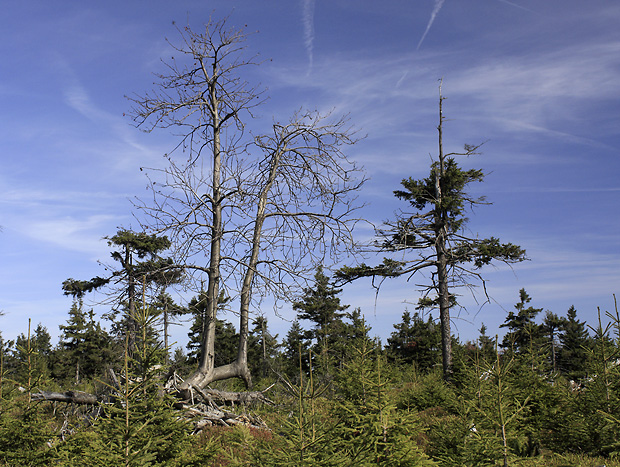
[(319, 338), (547, 391)]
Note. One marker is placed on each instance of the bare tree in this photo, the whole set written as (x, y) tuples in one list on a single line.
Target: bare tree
[(265, 210)]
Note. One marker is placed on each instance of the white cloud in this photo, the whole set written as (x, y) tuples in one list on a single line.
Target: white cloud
[(72, 220), (71, 233), (535, 93), (78, 99)]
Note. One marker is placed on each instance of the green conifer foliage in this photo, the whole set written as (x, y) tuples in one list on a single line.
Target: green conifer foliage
[(128, 248), (433, 234), (226, 343), (140, 427), (32, 356), (481, 349), (550, 330), (25, 431), (296, 346), (262, 347), (24, 427), (574, 341), (496, 413), (167, 311), (372, 431), (524, 336), (85, 348), (321, 306), (601, 394), (415, 341)]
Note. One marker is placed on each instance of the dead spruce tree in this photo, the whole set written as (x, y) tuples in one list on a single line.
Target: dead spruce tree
[(255, 215)]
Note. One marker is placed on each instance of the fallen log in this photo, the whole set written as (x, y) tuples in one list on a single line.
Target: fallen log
[(202, 416), (72, 397), (232, 398), (208, 395)]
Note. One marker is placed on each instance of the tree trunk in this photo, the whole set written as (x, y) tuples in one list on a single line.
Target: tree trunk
[(166, 324), (444, 316), (264, 345), (73, 397), (442, 262), (131, 292), (246, 288), (205, 373)]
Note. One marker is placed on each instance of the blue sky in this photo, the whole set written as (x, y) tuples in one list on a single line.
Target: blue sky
[(538, 80)]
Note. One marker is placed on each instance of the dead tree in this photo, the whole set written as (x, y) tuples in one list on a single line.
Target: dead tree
[(263, 210)]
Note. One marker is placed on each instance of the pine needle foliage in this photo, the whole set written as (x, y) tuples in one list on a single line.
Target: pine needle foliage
[(305, 435), (494, 413), (24, 428), (372, 431), (140, 427)]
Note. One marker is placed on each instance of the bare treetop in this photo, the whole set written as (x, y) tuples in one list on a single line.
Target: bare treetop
[(202, 90)]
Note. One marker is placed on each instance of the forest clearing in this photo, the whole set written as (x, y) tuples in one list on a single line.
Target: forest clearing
[(254, 241)]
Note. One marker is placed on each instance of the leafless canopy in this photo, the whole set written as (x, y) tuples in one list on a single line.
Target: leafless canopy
[(255, 214)]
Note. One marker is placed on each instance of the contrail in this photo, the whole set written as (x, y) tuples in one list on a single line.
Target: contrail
[(438, 5), (402, 78), (515, 5), (308, 22)]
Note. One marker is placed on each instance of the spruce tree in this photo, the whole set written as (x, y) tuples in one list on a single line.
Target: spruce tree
[(296, 346), (415, 341), (137, 257), (163, 274), (84, 348), (550, 329), (226, 343), (435, 234), (524, 335), (321, 306), (167, 310), (574, 341), (262, 347), (371, 430), (486, 344), (139, 427), (199, 309), (24, 429), (32, 354)]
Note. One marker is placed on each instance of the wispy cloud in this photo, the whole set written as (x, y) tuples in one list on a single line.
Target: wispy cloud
[(72, 220), (515, 94), (308, 24), (78, 98), (402, 78), (74, 234), (436, 8)]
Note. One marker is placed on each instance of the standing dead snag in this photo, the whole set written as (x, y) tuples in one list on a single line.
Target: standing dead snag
[(203, 97), (436, 232), (262, 211)]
